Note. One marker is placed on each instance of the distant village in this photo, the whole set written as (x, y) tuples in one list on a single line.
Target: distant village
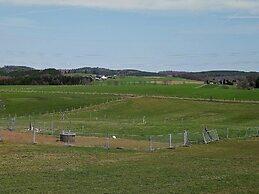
[(103, 77)]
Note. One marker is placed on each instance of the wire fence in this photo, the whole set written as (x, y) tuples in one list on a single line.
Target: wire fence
[(125, 141), (15, 130)]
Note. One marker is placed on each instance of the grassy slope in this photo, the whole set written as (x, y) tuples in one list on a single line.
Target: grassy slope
[(225, 167), (180, 90), (166, 115), (162, 116), (29, 103)]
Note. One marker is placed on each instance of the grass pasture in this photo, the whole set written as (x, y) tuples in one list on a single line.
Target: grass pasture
[(133, 110), (98, 113), (208, 92), (146, 116), (30, 103), (224, 167)]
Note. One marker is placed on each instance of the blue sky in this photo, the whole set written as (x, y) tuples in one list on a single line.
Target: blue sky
[(147, 35)]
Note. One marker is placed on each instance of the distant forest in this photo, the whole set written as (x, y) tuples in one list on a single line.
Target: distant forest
[(10, 75), (109, 72), (22, 75)]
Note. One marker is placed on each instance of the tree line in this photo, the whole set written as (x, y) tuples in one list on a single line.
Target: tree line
[(41, 77), (248, 82)]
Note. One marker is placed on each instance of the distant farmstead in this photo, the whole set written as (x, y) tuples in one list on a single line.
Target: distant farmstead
[(221, 81)]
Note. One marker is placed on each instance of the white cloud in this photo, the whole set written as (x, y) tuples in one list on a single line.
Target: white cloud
[(187, 5)]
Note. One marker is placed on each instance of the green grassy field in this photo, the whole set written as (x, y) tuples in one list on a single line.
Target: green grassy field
[(178, 90), (98, 109), (224, 167), (161, 116), (17, 103), (131, 107)]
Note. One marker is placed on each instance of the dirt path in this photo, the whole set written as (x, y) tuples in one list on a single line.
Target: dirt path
[(27, 138)]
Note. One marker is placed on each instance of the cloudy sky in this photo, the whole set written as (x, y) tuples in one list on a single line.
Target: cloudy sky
[(153, 35)]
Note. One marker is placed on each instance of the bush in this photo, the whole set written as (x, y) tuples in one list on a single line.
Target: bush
[(257, 83)]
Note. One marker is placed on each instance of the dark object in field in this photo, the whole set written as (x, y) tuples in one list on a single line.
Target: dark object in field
[(208, 133), (67, 137)]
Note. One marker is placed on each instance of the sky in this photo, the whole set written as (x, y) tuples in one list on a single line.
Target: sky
[(151, 35)]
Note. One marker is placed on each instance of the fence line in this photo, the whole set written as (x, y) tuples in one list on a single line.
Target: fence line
[(128, 141)]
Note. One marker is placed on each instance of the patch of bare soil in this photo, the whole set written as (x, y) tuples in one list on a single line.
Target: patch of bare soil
[(27, 138)]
